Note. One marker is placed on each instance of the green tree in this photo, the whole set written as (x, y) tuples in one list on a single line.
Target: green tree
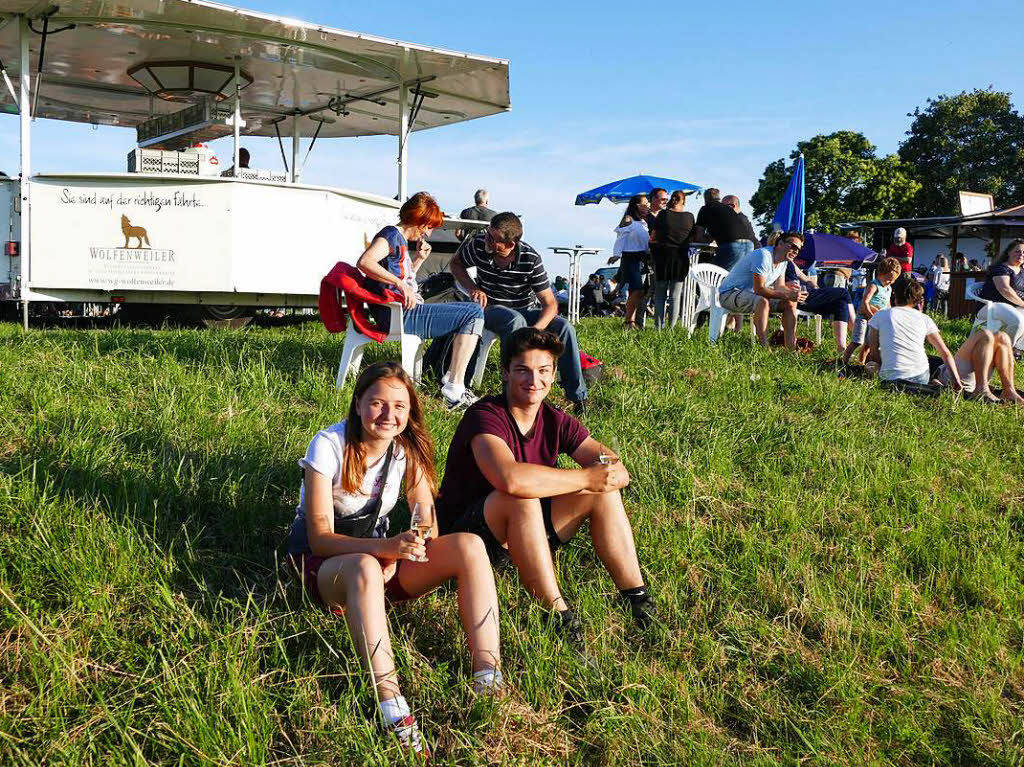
[(844, 181), (973, 142)]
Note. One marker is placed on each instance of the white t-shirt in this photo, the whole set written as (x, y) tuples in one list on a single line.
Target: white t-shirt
[(901, 335), (939, 277), (324, 455)]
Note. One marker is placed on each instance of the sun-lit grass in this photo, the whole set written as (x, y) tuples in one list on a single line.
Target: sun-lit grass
[(840, 568)]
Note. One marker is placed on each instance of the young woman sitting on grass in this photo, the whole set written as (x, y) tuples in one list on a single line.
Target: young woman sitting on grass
[(340, 543)]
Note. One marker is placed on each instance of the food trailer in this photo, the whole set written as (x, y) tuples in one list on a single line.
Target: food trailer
[(174, 228)]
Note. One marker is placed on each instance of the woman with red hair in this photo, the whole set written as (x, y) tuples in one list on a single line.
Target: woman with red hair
[(388, 264)]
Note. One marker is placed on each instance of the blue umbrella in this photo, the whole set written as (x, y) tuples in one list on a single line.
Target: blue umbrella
[(831, 249), (789, 216), (621, 191)]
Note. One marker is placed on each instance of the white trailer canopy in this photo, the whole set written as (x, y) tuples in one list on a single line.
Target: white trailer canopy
[(355, 83)]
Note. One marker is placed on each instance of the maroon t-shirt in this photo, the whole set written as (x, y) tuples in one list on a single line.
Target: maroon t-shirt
[(553, 433)]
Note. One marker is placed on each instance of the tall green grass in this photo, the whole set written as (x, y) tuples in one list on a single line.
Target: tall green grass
[(839, 568)]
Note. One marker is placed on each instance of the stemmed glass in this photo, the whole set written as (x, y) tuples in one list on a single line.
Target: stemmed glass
[(422, 521)]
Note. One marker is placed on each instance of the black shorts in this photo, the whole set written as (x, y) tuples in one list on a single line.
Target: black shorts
[(473, 521)]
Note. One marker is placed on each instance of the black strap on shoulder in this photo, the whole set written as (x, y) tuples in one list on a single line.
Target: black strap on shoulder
[(373, 513)]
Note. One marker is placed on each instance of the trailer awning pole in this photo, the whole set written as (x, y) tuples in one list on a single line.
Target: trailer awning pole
[(238, 114), (25, 115), (403, 152), (295, 149)]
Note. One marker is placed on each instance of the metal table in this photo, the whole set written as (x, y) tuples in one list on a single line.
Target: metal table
[(575, 254)]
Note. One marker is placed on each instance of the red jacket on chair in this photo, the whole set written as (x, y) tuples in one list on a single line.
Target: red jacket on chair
[(345, 278)]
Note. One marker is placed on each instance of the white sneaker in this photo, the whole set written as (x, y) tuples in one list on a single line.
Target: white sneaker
[(409, 735), (461, 402)]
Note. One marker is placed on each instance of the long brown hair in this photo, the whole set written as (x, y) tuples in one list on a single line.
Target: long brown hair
[(1003, 257), (414, 439)]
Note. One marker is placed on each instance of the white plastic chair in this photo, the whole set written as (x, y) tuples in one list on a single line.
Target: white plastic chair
[(801, 315), (487, 340), (413, 348), (708, 278), (972, 292)]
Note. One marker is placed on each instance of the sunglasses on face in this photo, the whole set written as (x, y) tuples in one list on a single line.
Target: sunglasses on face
[(792, 247), (496, 243)]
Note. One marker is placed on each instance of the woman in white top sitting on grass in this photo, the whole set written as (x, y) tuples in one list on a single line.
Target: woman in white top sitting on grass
[(340, 543), (896, 337)]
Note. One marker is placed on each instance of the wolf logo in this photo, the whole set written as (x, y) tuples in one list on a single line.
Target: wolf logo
[(129, 231)]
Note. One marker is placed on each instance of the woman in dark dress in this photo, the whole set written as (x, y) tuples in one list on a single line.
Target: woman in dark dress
[(671, 251)]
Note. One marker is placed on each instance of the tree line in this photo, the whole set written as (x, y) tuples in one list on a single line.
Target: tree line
[(972, 141)]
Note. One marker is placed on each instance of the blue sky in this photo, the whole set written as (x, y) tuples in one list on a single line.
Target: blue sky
[(706, 92)]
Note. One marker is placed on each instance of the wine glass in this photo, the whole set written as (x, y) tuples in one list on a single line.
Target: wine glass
[(422, 520), (605, 458)]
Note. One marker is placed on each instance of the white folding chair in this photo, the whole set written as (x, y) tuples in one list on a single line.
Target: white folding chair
[(412, 348), (708, 278)]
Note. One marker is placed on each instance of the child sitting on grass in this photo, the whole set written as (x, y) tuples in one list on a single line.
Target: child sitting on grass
[(896, 338), (876, 297)]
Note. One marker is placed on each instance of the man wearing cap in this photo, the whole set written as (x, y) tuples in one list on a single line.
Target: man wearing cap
[(901, 250)]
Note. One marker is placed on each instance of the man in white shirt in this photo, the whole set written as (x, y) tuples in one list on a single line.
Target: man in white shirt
[(756, 285)]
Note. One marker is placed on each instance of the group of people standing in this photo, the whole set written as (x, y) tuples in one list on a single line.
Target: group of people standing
[(653, 242)]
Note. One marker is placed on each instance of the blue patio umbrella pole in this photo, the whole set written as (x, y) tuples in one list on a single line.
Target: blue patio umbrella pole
[(623, 189), (789, 216)]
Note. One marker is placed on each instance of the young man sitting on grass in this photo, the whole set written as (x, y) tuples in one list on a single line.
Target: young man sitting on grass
[(501, 482), (897, 335)]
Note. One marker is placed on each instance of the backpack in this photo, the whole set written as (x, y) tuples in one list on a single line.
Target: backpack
[(593, 368)]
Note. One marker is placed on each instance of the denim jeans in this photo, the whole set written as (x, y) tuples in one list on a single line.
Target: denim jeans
[(436, 320), (729, 253), (663, 291), (503, 322)]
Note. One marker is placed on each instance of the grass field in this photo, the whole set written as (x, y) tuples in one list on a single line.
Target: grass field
[(840, 568)]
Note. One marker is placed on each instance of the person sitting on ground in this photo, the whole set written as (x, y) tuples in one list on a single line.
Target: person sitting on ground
[(388, 264), (755, 286), (975, 360), (591, 296), (877, 296), (509, 274), (896, 338), (1004, 286), (350, 560), (501, 482), (833, 303)]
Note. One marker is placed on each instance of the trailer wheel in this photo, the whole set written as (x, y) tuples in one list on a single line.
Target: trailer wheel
[(221, 317)]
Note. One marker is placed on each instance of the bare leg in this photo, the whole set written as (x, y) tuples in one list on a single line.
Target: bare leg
[(518, 522), (356, 583), (636, 297), (789, 323), (462, 350), (760, 319), (839, 328), (609, 530), (977, 353), (849, 352), (461, 556), (1006, 368)]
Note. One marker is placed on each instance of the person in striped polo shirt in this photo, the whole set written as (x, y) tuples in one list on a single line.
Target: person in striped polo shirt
[(510, 280)]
